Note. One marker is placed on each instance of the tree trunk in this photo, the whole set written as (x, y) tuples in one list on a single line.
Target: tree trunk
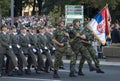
[(39, 6), (18, 8), (33, 12)]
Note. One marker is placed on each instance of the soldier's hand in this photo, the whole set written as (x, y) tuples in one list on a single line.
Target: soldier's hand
[(41, 51), (77, 35), (66, 34), (61, 44), (34, 50), (18, 46), (45, 47), (10, 46), (53, 48), (83, 36), (29, 45)]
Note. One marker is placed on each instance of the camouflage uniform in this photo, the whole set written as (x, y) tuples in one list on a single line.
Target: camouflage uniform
[(61, 50), (90, 38), (78, 47)]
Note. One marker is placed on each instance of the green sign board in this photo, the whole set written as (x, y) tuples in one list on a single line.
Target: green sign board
[(74, 12)]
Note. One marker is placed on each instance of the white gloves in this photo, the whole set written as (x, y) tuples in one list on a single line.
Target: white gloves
[(45, 48), (18, 46), (10, 46), (41, 50), (29, 45), (34, 50), (53, 48)]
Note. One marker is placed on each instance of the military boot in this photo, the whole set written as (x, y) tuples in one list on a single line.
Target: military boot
[(99, 70), (80, 72), (92, 68), (72, 75), (72, 70), (55, 75)]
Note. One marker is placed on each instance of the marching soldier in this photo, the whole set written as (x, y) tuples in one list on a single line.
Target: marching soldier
[(34, 44), (51, 45), (27, 48), (22, 62), (43, 46), (49, 35), (6, 48), (60, 38), (78, 47), (88, 44)]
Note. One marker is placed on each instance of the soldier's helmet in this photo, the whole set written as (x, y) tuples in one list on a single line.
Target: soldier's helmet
[(3, 26), (60, 21), (75, 21), (85, 23), (22, 28)]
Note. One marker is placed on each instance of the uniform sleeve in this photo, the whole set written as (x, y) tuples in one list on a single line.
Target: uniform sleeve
[(3, 42), (54, 34)]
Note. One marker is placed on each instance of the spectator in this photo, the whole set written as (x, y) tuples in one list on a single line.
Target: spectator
[(115, 34)]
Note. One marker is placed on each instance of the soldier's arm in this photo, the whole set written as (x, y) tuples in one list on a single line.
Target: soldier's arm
[(3, 42), (22, 43), (54, 39), (86, 41), (58, 43), (81, 36)]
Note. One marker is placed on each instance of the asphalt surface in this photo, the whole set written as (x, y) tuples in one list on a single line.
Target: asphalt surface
[(112, 73)]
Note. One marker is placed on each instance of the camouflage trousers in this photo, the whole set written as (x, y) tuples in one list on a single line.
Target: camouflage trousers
[(93, 55), (60, 52), (85, 55)]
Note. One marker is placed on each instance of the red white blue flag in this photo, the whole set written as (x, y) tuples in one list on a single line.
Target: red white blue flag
[(100, 25)]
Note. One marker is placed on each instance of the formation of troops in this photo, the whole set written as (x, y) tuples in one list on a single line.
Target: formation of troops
[(23, 48)]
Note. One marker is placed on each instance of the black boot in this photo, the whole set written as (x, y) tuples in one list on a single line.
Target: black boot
[(46, 70), (10, 73), (51, 69), (99, 71), (37, 71), (0, 75), (80, 72), (55, 75), (61, 67), (27, 71), (72, 75), (19, 72), (72, 70), (92, 68)]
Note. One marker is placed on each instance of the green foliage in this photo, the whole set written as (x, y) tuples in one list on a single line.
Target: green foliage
[(50, 6), (5, 7)]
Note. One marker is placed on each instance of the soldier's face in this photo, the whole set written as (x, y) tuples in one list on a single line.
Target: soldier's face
[(33, 31), (5, 29), (23, 31), (62, 24), (42, 30), (77, 24), (14, 30)]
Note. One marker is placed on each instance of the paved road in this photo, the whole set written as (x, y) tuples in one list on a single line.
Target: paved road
[(112, 73)]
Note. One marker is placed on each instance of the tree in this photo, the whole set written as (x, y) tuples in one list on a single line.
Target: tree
[(39, 6), (17, 7), (5, 7)]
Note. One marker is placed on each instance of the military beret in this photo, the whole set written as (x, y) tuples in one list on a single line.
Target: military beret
[(75, 21), (32, 28), (85, 23), (3, 26), (22, 28), (13, 27), (60, 22)]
